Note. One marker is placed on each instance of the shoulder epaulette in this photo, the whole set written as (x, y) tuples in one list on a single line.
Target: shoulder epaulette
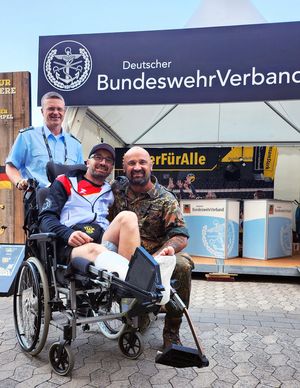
[(75, 138), (26, 129)]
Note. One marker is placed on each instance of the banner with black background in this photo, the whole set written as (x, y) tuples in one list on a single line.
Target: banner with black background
[(228, 172), (255, 62)]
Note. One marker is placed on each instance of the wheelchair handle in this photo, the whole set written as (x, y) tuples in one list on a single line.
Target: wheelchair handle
[(32, 184)]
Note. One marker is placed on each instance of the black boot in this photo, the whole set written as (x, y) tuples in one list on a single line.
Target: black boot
[(171, 331)]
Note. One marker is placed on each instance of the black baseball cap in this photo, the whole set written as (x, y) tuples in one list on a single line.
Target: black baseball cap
[(103, 146)]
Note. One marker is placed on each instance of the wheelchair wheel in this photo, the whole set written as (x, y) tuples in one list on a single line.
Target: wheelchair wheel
[(31, 306), (61, 358), (112, 328), (131, 344)]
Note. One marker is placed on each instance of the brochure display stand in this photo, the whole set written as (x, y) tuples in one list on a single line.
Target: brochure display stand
[(213, 226), (267, 229), (11, 257)]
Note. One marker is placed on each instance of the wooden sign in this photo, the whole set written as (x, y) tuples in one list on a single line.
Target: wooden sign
[(15, 108)]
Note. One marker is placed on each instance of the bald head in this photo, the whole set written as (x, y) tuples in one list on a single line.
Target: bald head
[(137, 166), (136, 152)]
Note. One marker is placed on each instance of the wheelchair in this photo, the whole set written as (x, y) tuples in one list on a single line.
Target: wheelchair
[(78, 295)]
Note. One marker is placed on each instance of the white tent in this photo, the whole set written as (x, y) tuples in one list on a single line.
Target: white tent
[(225, 124), (204, 124), (198, 124)]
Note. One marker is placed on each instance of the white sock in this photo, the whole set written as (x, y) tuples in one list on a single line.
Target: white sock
[(112, 262), (166, 266)]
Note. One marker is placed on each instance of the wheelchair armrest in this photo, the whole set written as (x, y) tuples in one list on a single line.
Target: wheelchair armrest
[(43, 237)]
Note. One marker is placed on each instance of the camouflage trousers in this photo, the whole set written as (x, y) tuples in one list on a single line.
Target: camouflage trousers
[(183, 274)]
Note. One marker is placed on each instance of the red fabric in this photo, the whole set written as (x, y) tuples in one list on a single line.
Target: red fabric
[(84, 186), (3, 177), (65, 182)]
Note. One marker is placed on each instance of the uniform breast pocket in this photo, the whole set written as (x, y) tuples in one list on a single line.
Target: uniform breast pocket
[(73, 152), (39, 156), (152, 221)]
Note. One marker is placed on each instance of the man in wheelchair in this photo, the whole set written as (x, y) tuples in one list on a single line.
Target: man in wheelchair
[(76, 210), (73, 219)]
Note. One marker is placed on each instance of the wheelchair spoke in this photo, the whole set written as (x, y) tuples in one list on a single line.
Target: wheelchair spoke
[(61, 358), (112, 328), (131, 344), (31, 310)]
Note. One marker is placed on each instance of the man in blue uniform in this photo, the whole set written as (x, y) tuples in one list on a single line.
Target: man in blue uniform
[(35, 146)]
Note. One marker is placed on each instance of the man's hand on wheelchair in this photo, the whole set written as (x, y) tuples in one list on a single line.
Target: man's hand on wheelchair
[(22, 184), (79, 238)]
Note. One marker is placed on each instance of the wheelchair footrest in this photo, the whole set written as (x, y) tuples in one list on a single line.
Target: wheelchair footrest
[(181, 357)]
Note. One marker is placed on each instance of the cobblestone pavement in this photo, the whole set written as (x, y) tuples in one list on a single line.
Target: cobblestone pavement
[(250, 329)]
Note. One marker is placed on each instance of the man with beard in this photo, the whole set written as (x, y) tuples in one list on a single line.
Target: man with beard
[(76, 210), (161, 226)]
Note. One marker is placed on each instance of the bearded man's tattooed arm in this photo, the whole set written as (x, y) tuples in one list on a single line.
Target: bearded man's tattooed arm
[(178, 242)]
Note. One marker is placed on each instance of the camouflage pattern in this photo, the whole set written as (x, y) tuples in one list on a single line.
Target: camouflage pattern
[(183, 274), (160, 219), (158, 212)]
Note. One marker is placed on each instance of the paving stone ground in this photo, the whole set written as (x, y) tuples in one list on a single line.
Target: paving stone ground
[(249, 328)]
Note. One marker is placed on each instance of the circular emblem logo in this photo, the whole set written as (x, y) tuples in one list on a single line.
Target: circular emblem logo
[(213, 238), (67, 65)]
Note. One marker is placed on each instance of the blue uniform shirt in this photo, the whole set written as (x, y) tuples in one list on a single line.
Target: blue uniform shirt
[(29, 153)]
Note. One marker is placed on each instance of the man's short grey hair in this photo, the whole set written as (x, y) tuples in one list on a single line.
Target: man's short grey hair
[(50, 95)]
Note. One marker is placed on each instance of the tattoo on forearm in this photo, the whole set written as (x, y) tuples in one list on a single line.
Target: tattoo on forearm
[(177, 242)]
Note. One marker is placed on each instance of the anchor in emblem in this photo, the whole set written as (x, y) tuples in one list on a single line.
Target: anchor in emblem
[(67, 65)]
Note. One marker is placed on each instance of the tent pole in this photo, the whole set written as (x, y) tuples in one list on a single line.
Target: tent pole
[(283, 117), (153, 125)]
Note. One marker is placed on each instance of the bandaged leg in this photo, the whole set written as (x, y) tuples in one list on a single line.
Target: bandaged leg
[(112, 262), (166, 265)]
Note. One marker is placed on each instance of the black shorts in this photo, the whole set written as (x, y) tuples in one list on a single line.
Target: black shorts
[(63, 253), (64, 250)]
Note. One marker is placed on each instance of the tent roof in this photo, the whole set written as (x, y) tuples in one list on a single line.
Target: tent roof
[(238, 123), (276, 122)]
